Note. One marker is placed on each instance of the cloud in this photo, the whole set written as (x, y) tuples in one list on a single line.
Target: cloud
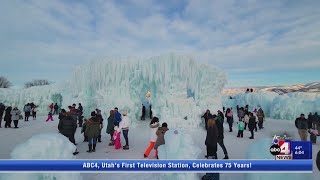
[(248, 36)]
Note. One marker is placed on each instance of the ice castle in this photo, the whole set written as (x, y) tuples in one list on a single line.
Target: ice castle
[(180, 89)]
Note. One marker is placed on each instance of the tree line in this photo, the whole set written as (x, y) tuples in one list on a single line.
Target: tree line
[(5, 83)]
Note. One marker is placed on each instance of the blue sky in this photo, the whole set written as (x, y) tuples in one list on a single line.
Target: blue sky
[(256, 42)]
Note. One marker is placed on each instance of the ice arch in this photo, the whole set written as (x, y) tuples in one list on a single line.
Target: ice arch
[(180, 87)]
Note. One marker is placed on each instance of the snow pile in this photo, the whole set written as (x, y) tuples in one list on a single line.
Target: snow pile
[(44, 146), (179, 145), (260, 150), (287, 106)]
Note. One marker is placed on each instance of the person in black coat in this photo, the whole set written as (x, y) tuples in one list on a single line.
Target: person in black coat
[(212, 139), (2, 109), (310, 120), (252, 124), (99, 116), (221, 137), (206, 117), (67, 126), (7, 117), (302, 126), (151, 115), (318, 160), (55, 107), (143, 116)]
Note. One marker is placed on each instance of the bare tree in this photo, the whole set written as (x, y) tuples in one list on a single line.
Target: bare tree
[(4, 82), (37, 82)]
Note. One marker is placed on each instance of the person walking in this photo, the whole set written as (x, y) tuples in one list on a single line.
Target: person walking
[(246, 120), (83, 130), (143, 116), (51, 107), (302, 126), (260, 115), (80, 113), (240, 129), (67, 126), (151, 113), (110, 127), (310, 119), (34, 112), (2, 109), (55, 109), (117, 116), (220, 128), (124, 126), (116, 138), (212, 139), (15, 116), (92, 131), (50, 117), (99, 116), (154, 124), (7, 117), (252, 124), (318, 160), (160, 137), (229, 115), (241, 114), (27, 112), (206, 116), (316, 121)]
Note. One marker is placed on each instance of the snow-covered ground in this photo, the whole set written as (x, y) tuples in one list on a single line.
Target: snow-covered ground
[(139, 139)]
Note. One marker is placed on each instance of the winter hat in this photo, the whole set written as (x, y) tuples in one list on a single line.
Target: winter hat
[(93, 113), (124, 113)]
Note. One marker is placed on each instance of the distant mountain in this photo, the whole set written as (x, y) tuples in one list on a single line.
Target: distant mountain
[(308, 88)]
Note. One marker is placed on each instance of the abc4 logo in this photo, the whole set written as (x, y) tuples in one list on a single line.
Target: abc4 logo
[(281, 148)]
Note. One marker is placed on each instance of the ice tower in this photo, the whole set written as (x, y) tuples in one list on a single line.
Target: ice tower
[(180, 89)]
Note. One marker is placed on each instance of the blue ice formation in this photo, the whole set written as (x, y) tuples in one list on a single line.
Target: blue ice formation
[(178, 145), (288, 106), (180, 87)]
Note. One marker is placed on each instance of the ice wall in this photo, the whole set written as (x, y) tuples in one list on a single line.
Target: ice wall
[(179, 145), (260, 150), (179, 87), (42, 96), (287, 106), (44, 146)]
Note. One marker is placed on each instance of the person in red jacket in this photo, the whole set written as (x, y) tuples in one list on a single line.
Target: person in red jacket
[(51, 107)]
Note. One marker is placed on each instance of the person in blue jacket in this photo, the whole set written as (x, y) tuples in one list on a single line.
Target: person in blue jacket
[(117, 116)]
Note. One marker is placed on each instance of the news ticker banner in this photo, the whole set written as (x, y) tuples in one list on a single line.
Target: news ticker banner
[(156, 166)]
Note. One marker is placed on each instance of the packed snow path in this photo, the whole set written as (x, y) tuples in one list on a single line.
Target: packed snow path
[(139, 140)]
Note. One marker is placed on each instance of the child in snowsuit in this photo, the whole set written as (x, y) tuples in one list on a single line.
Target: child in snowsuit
[(50, 116), (240, 128), (83, 130), (116, 138)]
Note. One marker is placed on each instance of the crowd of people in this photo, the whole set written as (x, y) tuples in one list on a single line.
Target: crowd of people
[(311, 125), (215, 131), (14, 114)]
